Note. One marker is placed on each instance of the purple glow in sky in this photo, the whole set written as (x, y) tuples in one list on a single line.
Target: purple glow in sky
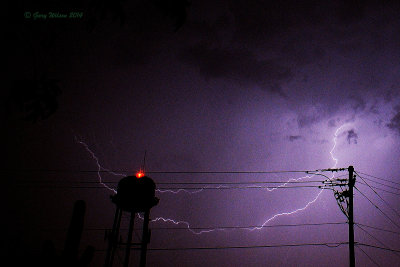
[(206, 88)]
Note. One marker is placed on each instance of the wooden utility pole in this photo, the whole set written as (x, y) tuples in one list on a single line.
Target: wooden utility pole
[(351, 217)]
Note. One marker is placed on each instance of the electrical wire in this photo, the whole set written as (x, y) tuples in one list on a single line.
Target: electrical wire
[(383, 244), (179, 183), (380, 229), (329, 245), (382, 179), (365, 253), (392, 187), (379, 196), (219, 227), (156, 172), (178, 188), (377, 188), (377, 208), (373, 246), (284, 181)]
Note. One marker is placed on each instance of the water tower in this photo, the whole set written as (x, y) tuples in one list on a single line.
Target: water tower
[(135, 194)]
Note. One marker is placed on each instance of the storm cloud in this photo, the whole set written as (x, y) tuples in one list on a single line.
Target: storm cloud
[(352, 136), (394, 123), (240, 66)]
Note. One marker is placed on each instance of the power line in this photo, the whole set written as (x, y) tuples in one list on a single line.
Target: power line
[(222, 185), (229, 183), (386, 180), (383, 244), (329, 245), (365, 253), (377, 208), (377, 188), (372, 246), (240, 187), (221, 227), (127, 172), (178, 188), (180, 183), (226, 172), (377, 228), (392, 187), (254, 226), (156, 172), (379, 196)]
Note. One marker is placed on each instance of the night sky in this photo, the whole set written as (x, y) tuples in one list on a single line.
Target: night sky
[(253, 89)]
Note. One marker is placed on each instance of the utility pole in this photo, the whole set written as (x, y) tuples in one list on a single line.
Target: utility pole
[(351, 217), (345, 197)]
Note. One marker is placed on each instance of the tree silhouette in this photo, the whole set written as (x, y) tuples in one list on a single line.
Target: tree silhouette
[(69, 257), (36, 98), (174, 9)]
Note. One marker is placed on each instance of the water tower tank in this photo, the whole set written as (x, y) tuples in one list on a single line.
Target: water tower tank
[(135, 194)]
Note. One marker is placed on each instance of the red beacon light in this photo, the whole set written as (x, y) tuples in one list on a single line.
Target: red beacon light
[(139, 174)]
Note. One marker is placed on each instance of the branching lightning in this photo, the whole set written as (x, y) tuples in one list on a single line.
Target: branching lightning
[(319, 193), (195, 191), (177, 222), (334, 145), (99, 167), (287, 213)]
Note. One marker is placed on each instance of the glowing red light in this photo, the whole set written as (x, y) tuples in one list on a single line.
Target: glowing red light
[(139, 174)]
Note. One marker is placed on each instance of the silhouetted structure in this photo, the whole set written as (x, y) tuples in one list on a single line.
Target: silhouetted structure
[(134, 195), (69, 256), (351, 217), (36, 98), (347, 197)]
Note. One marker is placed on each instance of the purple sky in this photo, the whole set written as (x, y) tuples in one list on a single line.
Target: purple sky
[(238, 87)]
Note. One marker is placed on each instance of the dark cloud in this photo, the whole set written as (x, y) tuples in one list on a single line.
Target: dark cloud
[(352, 136), (395, 121), (358, 104), (238, 65), (350, 11), (270, 18), (174, 9), (294, 137), (305, 120), (392, 93)]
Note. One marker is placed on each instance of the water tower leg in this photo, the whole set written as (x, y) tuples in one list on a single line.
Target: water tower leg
[(145, 238), (129, 242), (113, 238)]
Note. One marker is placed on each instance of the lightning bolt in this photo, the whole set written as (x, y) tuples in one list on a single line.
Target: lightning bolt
[(177, 191), (177, 222), (334, 145), (181, 222), (319, 193), (99, 167)]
